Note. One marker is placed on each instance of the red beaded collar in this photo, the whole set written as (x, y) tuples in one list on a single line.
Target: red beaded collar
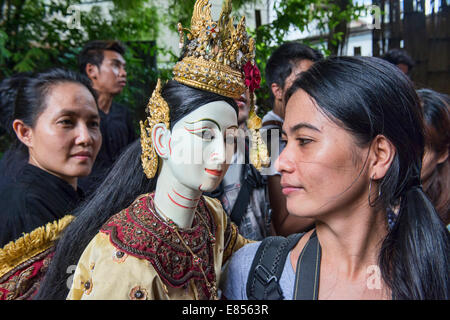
[(137, 231)]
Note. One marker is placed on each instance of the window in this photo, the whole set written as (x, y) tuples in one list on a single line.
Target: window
[(356, 51), (257, 17)]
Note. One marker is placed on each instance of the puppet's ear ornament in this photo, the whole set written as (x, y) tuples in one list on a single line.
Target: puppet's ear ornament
[(158, 112)]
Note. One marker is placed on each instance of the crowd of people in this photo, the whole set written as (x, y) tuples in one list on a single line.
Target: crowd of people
[(359, 177)]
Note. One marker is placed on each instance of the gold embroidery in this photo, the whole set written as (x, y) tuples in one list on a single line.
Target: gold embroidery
[(230, 240), (138, 232), (18, 284), (31, 244)]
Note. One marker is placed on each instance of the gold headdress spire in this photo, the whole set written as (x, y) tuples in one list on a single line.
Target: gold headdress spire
[(215, 53)]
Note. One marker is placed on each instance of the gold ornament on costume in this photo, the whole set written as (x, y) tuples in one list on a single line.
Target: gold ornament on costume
[(259, 155), (158, 112)]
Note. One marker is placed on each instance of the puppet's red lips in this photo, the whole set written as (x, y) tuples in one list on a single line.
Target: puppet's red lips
[(216, 173)]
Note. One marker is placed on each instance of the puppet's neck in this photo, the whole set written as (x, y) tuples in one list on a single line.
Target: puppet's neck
[(174, 200)]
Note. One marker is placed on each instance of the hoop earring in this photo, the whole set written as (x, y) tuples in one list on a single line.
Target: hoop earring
[(372, 204)]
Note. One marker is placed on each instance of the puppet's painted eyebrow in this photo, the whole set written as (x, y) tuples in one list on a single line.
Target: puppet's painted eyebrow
[(204, 119)]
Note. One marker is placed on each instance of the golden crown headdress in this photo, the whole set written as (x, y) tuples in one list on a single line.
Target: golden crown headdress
[(215, 52), (214, 59)]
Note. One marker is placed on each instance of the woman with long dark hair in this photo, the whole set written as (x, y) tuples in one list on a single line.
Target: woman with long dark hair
[(56, 124), (436, 162), (355, 143)]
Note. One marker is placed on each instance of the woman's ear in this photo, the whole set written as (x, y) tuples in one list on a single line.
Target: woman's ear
[(383, 153), (161, 140), (23, 132), (443, 157)]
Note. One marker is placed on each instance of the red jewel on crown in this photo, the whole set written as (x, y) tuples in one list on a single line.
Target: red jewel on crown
[(252, 76)]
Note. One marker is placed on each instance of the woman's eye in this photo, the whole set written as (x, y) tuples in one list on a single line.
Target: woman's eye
[(95, 124), (303, 142), (65, 122)]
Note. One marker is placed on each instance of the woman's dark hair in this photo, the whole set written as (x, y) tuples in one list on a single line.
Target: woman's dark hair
[(123, 184), (32, 94), (370, 97), (8, 94), (436, 112)]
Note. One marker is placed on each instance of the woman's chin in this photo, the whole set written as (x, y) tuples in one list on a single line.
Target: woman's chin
[(300, 210)]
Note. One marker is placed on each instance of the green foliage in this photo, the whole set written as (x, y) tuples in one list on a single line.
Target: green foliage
[(39, 34), (36, 34)]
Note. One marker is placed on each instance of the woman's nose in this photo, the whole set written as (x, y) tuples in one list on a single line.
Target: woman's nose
[(84, 135), (283, 162)]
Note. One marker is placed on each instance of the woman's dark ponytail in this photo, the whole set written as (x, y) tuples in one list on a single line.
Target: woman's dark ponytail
[(414, 258)]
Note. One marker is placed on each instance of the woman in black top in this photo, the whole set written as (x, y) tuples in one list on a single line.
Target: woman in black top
[(56, 122), (38, 197)]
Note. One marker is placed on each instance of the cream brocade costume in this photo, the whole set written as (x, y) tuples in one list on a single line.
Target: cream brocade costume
[(137, 256)]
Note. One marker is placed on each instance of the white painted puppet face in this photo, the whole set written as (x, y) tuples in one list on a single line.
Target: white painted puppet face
[(199, 149)]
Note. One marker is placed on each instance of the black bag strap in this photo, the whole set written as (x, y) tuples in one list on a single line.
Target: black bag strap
[(251, 179), (243, 198), (308, 270), (268, 263)]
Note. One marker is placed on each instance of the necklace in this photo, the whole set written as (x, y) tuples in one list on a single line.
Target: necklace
[(196, 260)]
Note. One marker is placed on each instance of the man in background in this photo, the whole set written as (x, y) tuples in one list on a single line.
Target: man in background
[(103, 62), (401, 59), (283, 67)]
